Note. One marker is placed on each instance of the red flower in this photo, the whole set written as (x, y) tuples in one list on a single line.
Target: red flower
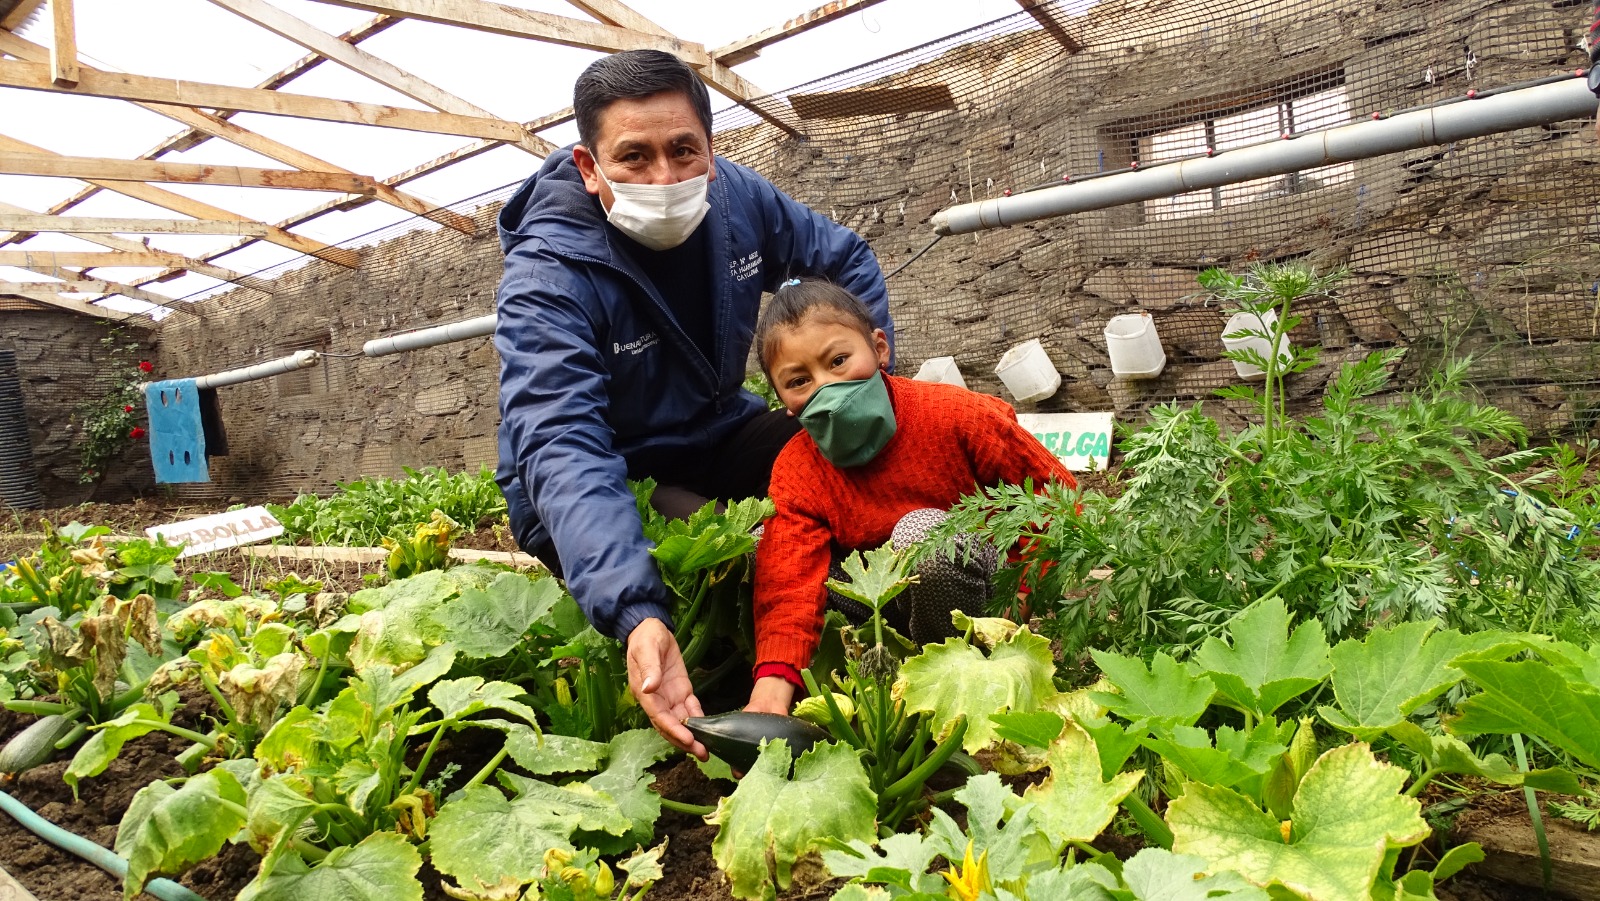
[(136, 433), (146, 366), (127, 408)]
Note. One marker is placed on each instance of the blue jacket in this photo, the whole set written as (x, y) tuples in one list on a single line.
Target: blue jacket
[(598, 381)]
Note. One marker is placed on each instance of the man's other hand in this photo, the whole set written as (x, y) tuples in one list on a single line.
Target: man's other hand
[(659, 681)]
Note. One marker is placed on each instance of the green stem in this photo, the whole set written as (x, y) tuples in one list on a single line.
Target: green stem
[(837, 724), (698, 810), (1086, 848), (1532, 800), (307, 850), (686, 625), (427, 757), (1422, 781), (322, 670), (488, 769), (216, 695), (209, 741)]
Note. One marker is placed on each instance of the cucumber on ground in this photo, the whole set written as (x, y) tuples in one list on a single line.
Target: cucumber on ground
[(35, 744), (737, 736)]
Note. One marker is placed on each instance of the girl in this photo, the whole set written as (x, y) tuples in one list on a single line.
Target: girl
[(880, 458)]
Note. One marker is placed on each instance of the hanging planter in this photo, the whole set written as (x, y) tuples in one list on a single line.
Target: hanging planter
[(942, 370), (1134, 347), (1265, 323), (1028, 372)]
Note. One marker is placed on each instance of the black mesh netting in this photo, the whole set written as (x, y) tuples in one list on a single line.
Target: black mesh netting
[(1486, 246)]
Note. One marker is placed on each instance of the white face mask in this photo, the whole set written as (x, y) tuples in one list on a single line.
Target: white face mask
[(658, 216)]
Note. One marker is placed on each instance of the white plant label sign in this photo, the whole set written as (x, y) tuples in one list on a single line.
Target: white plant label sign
[(219, 530), (1081, 441)]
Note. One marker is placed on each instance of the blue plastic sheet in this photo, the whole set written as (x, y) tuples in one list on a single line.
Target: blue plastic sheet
[(177, 441)]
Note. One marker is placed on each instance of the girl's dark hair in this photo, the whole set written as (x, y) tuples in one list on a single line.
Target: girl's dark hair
[(632, 75), (797, 299)]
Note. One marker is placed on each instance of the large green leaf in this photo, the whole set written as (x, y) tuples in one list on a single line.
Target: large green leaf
[(1530, 696), (1165, 694), (1383, 679), (167, 830), (106, 742), (901, 859), (1265, 665), (875, 577), (382, 868), (484, 836), (490, 622), (548, 754), (1347, 813), (1237, 756), (626, 781), (708, 538), (1158, 875), (277, 807), (1073, 802), (954, 679), (771, 820), (1000, 828), (1446, 754), (460, 698)]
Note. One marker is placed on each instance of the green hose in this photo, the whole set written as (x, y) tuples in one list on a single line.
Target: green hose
[(104, 858)]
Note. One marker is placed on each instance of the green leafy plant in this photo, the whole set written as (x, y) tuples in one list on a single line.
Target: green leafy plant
[(364, 512), (1368, 512), (426, 547)]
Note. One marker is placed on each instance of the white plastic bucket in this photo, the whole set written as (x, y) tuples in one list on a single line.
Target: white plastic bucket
[(942, 370), (1028, 372), (1134, 349), (1262, 322)]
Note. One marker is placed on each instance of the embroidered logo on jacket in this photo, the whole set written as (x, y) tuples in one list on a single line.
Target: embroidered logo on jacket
[(745, 266), (637, 346)]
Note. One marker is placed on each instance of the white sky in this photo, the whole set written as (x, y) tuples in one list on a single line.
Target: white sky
[(514, 78)]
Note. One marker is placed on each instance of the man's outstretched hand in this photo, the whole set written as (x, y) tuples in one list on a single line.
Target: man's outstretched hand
[(659, 681)]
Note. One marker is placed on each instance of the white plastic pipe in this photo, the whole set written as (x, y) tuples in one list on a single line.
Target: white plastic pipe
[(300, 359), (430, 337), (1512, 109)]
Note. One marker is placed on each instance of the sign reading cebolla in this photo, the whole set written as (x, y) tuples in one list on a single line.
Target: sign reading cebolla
[(219, 530), (1075, 438)]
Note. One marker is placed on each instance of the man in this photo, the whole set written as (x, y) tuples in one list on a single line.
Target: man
[(635, 264), (1591, 42)]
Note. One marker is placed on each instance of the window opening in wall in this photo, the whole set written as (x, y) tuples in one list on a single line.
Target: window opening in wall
[(1304, 104)]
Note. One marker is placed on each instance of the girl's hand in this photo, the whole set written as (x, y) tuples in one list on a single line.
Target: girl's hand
[(771, 695)]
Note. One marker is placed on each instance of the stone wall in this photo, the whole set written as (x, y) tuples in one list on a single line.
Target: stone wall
[(1485, 245), (63, 360)]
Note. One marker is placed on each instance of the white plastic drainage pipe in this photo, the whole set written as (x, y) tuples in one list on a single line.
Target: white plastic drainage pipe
[(297, 360), (430, 337), (1512, 109)]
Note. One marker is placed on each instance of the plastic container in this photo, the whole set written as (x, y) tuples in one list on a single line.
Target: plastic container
[(1134, 349), (1028, 372), (1262, 322), (942, 370)]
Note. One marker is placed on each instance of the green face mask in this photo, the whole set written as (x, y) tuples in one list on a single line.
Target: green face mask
[(850, 421)]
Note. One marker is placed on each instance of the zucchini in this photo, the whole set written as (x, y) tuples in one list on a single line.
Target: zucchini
[(736, 737), (35, 744)]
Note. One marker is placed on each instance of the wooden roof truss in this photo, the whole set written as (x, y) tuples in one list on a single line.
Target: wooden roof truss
[(204, 111)]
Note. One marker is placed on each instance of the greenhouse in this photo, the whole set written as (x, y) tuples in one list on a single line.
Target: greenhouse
[(990, 450)]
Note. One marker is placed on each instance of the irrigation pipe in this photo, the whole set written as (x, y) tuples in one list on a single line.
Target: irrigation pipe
[(104, 858)]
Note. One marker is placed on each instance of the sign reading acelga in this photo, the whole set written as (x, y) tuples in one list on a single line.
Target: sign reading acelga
[(1081, 441)]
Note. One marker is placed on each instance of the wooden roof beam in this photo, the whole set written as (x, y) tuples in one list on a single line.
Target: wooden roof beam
[(363, 63), (726, 81), (107, 226), (85, 168), (191, 207), (80, 307), (64, 51), (120, 86), (495, 18), (203, 125), (86, 286), (19, 14), (200, 267), (746, 49), (1047, 17), (88, 259)]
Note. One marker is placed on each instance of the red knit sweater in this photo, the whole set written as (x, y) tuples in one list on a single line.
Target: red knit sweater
[(948, 442)]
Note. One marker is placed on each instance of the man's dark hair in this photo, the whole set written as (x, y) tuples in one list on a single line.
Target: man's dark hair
[(631, 75), (797, 300)]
